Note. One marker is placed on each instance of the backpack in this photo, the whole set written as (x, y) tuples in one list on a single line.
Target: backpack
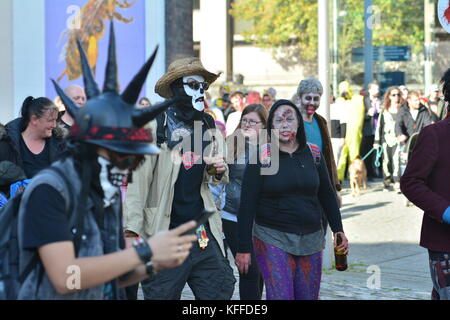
[(10, 276)]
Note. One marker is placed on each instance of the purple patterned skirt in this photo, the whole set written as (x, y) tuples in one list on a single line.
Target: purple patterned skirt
[(288, 277)]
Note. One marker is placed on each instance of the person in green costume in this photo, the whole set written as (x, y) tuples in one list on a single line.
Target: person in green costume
[(354, 112)]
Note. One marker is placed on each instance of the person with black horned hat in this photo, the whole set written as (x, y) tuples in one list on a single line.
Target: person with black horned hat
[(70, 217), (173, 187)]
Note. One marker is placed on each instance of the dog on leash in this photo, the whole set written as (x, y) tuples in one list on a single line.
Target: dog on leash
[(358, 176)]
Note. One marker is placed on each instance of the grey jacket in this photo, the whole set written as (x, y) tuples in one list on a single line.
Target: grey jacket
[(95, 243)]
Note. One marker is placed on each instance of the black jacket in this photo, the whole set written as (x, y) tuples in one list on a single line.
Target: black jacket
[(405, 123), (292, 201), (369, 126), (10, 143)]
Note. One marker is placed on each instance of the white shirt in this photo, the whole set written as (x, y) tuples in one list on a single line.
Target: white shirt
[(233, 122)]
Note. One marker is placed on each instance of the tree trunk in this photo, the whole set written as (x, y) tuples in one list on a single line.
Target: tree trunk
[(179, 30)]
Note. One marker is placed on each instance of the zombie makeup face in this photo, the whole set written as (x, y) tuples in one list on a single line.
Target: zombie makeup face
[(286, 122), (195, 87), (309, 103)]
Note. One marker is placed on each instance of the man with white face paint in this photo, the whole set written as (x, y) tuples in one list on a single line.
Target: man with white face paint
[(173, 187)]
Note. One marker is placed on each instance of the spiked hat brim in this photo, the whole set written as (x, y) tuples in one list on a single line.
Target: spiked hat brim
[(141, 148), (181, 68)]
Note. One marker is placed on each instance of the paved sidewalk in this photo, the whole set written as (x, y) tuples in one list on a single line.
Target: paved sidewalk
[(384, 236)]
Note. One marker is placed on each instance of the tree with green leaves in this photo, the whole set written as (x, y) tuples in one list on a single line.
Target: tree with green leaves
[(290, 28)]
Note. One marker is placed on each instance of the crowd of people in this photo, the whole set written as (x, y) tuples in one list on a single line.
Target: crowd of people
[(155, 162)]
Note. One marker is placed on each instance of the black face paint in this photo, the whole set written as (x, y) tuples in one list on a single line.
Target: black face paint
[(183, 103), (125, 161)]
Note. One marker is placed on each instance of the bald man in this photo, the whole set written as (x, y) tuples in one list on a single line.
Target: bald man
[(76, 93)]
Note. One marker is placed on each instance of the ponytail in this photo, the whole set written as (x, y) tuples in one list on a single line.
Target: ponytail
[(35, 107), (25, 112)]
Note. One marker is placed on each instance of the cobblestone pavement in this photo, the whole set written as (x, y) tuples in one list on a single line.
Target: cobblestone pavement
[(385, 260)]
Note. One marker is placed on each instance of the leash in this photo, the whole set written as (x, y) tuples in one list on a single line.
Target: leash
[(368, 154), (378, 156)]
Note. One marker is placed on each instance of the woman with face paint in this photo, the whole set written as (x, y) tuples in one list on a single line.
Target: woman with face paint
[(284, 211)]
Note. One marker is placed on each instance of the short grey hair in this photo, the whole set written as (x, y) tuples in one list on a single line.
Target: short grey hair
[(310, 85)]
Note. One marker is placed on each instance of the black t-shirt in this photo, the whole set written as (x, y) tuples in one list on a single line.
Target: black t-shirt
[(187, 202), (33, 163), (46, 218)]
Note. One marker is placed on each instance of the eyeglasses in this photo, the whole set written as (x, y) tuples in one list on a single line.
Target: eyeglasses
[(309, 98), (195, 85), (251, 123)]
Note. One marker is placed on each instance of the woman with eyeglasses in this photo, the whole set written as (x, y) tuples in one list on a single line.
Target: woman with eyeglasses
[(386, 138), (242, 149), (280, 215)]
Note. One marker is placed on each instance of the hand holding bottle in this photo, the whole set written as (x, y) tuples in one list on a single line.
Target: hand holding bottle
[(215, 166), (340, 251)]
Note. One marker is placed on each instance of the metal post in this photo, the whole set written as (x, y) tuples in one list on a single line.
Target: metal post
[(324, 57), (368, 46), (335, 48), (324, 77), (429, 32), (230, 42)]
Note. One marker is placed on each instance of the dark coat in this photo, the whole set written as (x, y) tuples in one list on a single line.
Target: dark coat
[(327, 151), (369, 125), (405, 123), (10, 143), (426, 183)]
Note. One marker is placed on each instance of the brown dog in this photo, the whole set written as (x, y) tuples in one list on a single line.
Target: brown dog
[(358, 176)]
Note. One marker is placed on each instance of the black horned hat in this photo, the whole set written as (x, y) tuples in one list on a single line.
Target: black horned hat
[(108, 119)]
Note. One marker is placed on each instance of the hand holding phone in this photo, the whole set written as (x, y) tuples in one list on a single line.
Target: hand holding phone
[(202, 219)]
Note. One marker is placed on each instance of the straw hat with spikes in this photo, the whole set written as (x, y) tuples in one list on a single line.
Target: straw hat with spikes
[(179, 69), (108, 119)]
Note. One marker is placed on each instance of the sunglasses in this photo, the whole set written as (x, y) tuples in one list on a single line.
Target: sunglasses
[(195, 85), (395, 95), (315, 99)]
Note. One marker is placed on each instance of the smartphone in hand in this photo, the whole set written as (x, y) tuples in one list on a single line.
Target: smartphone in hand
[(202, 219)]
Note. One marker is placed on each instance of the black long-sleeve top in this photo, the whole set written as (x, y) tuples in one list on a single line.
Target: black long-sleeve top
[(290, 201)]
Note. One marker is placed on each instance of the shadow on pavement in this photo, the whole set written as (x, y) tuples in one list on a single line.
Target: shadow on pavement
[(364, 207)]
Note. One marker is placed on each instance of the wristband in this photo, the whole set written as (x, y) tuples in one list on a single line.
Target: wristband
[(143, 250)]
